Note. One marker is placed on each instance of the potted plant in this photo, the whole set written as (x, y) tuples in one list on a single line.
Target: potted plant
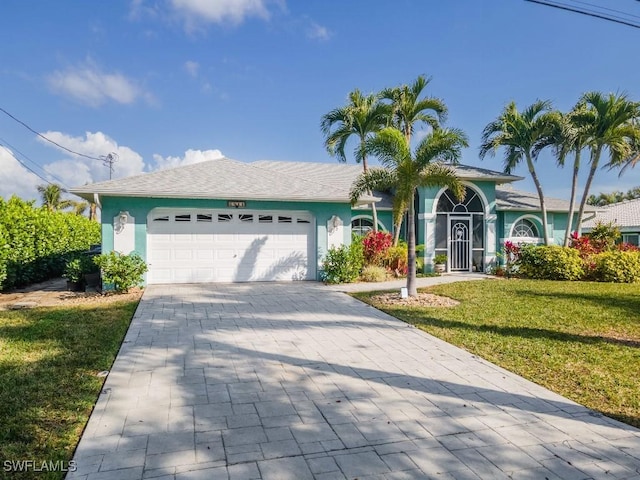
[(73, 272), (440, 263), (91, 272)]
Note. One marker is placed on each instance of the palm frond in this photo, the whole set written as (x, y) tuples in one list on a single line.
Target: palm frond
[(373, 179)]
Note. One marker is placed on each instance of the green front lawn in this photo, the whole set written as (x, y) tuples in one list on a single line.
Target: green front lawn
[(579, 339), (49, 358)]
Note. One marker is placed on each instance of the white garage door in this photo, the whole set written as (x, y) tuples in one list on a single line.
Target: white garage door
[(193, 246)]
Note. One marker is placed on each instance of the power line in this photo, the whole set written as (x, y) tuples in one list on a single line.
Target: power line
[(25, 165), (48, 139), (607, 9), (589, 13), (15, 150)]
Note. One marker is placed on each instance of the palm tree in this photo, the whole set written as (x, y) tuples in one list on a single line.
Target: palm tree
[(405, 171), (523, 135), (363, 116), (51, 195), (612, 126), (570, 137), (407, 109)]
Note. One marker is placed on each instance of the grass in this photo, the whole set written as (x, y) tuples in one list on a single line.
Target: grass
[(579, 339), (49, 358)]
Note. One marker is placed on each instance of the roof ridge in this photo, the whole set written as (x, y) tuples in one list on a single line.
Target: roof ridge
[(296, 177)]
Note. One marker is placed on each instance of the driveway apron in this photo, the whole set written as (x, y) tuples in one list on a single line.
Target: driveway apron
[(295, 381)]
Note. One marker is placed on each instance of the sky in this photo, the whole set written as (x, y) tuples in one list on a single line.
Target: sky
[(163, 83)]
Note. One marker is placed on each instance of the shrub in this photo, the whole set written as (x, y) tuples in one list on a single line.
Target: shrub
[(440, 258), (395, 260), (35, 243), (343, 264), (373, 273), (604, 236), (617, 266), (73, 271), (550, 263), (121, 271), (375, 244)]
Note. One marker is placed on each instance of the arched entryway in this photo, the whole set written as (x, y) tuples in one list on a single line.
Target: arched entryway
[(460, 230)]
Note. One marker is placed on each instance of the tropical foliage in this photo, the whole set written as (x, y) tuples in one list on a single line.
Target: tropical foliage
[(363, 116), (404, 171), (523, 135), (51, 197), (611, 127), (122, 272), (35, 242), (603, 199)]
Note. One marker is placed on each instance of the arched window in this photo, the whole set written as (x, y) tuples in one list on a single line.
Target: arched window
[(524, 228), (448, 203), (361, 226)]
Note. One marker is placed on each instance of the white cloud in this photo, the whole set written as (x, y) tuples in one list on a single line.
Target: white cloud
[(192, 68), (318, 32), (94, 145), (190, 157), (15, 179), (90, 85), (231, 12)]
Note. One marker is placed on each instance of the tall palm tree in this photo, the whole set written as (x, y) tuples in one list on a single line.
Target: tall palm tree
[(362, 117), (570, 136), (523, 135), (405, 171), (407, 110), (612, 126), (51, 195)]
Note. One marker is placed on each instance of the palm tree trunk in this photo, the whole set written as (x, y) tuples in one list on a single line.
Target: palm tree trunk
[(411, 250), (574, 187), (543, 205), (594, 166), (374, 212)]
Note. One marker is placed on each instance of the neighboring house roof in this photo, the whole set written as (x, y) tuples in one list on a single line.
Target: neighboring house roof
[(221, 178), (507, 198), (624, 214), (467, 172)]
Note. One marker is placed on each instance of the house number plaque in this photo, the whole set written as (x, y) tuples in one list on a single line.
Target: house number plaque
[(236, 203)]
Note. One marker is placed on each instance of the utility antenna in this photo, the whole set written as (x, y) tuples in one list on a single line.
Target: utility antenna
[(108, 161)]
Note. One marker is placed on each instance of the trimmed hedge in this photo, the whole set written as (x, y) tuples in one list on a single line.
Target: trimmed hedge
[(550, 263), (617, 266), (569, 263), (36, 243)]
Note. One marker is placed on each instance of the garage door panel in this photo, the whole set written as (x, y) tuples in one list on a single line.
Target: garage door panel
[(229, 250)]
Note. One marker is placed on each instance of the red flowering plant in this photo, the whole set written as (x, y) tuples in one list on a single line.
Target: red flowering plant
[(511, 256), (375, 246), (627, 247)]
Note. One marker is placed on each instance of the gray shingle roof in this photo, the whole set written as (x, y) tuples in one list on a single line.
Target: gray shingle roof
[(623, 214), (508, 198), (263, 180), (221, 178)]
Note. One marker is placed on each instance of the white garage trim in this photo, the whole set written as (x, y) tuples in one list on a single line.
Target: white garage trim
[(229, 245)]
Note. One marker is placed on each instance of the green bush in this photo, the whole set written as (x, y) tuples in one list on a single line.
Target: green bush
[(36, 243), (617, 266), (373, 273), (396, 260), (73, 271), (343, 264), (550, 263), (121, 271)]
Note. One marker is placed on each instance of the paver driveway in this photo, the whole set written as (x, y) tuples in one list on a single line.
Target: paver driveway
[(294, 381)]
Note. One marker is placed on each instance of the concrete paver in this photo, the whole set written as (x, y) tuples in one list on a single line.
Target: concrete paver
[(277, 381)]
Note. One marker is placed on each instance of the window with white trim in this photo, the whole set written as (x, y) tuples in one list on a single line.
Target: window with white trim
[(361, 226), (524, 228)]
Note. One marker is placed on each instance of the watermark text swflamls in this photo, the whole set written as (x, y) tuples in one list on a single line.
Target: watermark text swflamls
[(39, 466)]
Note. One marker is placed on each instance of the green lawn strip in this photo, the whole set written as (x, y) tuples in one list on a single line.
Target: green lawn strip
[(579, 339), (49, 358)]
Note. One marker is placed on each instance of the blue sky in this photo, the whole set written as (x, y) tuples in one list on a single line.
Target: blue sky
[(168, 82)]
